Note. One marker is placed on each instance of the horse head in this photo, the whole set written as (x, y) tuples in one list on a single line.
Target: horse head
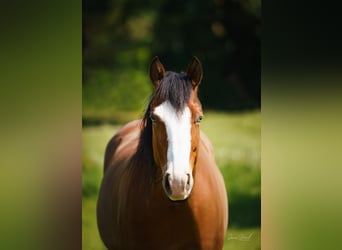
[(176, 113)]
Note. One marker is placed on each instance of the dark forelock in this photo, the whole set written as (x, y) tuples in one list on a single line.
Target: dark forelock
[(175, 88)]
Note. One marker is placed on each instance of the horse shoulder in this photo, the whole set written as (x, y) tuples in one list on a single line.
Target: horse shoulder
[(111, 197), (122, 144)]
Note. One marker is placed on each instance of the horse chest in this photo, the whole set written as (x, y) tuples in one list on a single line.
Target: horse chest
[(158, 223)]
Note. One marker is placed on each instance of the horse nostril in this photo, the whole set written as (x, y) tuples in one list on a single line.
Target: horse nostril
[(167, 184), (187, 187)]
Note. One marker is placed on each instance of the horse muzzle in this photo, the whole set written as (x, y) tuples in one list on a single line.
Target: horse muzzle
[(178, 187)]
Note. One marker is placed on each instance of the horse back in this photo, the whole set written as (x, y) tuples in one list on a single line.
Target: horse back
[(123, 144)]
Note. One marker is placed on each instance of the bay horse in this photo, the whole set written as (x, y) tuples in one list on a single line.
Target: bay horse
[(161, 187)]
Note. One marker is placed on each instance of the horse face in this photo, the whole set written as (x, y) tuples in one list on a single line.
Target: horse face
[(175, 137)]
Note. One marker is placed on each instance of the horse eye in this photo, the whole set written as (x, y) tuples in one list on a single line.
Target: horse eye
[(199, 119), (153, 118)]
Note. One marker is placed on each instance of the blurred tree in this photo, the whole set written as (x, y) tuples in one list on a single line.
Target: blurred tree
[(121, 36), (225, 36)]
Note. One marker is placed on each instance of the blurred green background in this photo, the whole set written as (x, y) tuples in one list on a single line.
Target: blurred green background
[(119, 40)]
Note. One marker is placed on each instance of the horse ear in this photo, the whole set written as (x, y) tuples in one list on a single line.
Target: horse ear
[(195, 71), (157, 71)]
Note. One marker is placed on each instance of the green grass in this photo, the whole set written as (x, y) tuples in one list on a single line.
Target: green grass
[(112, 94), (90, 235), (236, 141), (242, 239), (235, 137)]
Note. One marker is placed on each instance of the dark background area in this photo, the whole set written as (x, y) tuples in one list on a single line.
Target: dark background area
[(121, 37)]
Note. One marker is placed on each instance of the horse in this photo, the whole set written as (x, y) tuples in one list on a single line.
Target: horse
[(161, 187)]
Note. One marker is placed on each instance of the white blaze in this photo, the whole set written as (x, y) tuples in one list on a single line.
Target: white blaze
[(178, 130)]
